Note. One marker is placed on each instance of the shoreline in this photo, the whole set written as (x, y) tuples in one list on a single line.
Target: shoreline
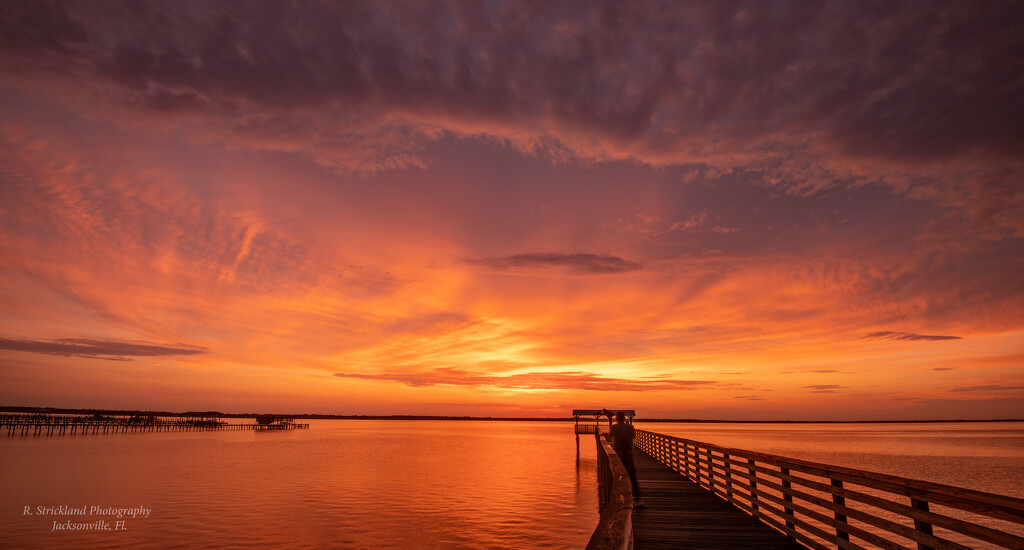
[(59, 410)]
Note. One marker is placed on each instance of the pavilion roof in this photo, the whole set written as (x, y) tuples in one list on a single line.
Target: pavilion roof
[(596, 412)]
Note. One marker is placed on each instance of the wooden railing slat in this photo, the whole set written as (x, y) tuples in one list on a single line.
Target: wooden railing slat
[(937, 520), (851, 529), (860, 515)]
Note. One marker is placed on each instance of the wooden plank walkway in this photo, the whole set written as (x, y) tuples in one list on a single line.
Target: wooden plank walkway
[(679, 514)]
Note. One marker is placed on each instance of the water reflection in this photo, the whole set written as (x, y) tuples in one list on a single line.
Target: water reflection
[(353, 484)]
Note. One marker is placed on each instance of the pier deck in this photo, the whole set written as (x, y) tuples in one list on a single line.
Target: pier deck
[(679, 514)]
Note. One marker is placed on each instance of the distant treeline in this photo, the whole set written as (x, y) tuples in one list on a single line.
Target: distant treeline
[(133, 412), (56, 410)]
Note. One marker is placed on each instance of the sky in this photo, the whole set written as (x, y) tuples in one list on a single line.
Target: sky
[(717, 210)]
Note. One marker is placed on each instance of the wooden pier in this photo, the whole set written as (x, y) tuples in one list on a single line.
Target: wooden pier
[(703, 496), (65, 424)]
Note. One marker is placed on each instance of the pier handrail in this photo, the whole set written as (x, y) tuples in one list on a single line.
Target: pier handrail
[(615, 529), (823, 506)]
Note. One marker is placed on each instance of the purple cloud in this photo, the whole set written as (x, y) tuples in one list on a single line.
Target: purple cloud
[(98, 349), (593, 264), (905, 336), (988, 387), (824, 388), (659, 82)]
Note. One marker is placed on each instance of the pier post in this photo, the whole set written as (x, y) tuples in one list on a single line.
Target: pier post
[(839, 500), (728, 474), (753, 483), (921, 526), (709, 464), (788, 497)]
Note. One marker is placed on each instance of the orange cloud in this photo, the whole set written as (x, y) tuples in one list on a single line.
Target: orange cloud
[(789, 219), (530, 381)]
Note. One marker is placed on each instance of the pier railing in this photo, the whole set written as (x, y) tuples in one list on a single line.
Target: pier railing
[(825, 507), (615, 529)]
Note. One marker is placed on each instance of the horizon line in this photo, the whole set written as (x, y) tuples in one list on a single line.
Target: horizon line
[(569, 418)]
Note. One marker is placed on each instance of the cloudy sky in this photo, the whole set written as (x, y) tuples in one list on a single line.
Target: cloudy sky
[(735, 210)]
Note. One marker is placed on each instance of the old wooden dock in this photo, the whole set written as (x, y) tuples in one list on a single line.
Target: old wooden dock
[(67, 424)]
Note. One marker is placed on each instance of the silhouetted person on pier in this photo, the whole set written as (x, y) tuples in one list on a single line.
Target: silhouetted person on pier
[(621, 435)]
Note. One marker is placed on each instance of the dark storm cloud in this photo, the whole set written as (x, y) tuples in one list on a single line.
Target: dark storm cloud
[(905, 79), (576, 263), (97, 349), (798, 96), (905, 336), (532, 380)]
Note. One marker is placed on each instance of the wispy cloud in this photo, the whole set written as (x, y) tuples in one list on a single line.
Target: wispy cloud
[(533, 380), (594, 264), (824, 388), (796, 116), (697, 221), (987, 388), (905, 336), (98, 349)]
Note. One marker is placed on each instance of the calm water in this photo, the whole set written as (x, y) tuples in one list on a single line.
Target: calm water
[(414, 484), (340, 484)]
